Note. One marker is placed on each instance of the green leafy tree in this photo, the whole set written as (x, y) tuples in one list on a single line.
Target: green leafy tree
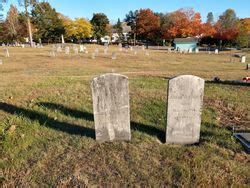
[(99, 22), (130, 19), (119, 29), (48, 26)]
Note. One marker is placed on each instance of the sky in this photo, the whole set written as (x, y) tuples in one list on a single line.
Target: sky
[(115, 9)]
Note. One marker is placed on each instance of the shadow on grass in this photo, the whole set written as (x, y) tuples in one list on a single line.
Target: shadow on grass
[(150, 130), (47, 121), (68, 111)]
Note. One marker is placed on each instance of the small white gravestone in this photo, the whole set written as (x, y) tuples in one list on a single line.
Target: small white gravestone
[(1, 61), (169, 50), (143, 47), (216, 51), (67, 50), (185, 99), (22, 45), (114, 56), (190, 50), (93, 55), (196, 50), (81, 48), (110, 94), (243, 59), (6, 52)]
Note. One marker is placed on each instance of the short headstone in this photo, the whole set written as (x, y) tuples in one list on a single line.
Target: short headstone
[(59, 49), (22, 45), (216, 51), (169, 50), (143, 47), (67, 50), (114, 56), (110, 94), (6, 52), (196, 50), (243, 59), (1, 61), (190, 50), (185, 99), (81, 49)]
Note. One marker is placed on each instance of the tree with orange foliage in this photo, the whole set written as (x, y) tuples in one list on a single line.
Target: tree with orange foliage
[(182, 23), (147, 24)]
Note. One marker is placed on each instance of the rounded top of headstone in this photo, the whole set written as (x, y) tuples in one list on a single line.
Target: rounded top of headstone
[(186, 77), (110, 75)]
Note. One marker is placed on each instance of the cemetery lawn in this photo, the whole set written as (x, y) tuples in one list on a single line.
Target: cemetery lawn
[(47, 129)]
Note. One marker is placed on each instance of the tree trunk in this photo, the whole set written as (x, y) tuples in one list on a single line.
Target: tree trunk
[(30, 31)]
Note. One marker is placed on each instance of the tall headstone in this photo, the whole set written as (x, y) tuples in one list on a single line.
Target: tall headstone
[(185, 99), (114, 56), (243, 59), (6, 52), (110, 94)]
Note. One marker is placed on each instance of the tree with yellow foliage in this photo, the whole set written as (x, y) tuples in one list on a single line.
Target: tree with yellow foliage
[(77, 29)]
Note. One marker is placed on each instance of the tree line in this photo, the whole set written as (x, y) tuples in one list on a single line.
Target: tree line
[(40, 21)]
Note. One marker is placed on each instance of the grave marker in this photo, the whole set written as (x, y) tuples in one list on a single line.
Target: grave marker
[(185, 99), (93, 55), (1, 61), (6, 52), (67, 50), (114, 55), (243, 59), (216, 51), (196, 50), (111, 107), (190, 50)]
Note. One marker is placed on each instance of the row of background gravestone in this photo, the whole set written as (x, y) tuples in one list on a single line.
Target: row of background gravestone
[(110, 94)]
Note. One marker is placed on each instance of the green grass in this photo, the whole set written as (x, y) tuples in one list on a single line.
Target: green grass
[(54, 144)]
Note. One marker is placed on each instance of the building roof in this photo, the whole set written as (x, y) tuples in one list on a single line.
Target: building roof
[(186, 40)]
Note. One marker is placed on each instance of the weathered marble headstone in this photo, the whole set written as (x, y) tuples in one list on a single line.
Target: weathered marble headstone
[(114, 55), (243, 59), (216, 51), (22, 45), (196, 50), (6, 52), (190, 50), (185, 99), (110, 94)]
